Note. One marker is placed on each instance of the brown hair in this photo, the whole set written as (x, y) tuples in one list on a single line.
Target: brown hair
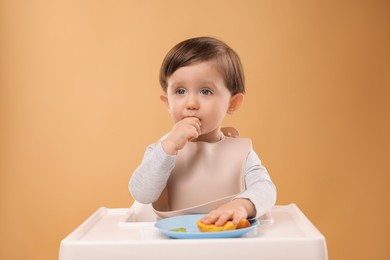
[(202, 49)]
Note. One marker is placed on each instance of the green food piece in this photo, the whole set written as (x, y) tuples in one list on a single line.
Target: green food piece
[(180, 229)]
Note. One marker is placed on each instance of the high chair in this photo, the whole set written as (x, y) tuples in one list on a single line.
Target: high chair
[(130, 233)]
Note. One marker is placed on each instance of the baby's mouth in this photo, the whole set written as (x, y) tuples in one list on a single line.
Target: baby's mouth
[(193, 117)]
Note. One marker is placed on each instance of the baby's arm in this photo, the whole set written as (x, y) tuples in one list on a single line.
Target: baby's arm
[(256, 200), (151, 176), (260, 190)]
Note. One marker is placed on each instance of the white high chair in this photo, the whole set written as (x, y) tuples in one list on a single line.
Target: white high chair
[(129, 233)]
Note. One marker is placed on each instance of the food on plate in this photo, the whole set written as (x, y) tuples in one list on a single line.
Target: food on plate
[(180, 229), (227, 226), (244, 223)]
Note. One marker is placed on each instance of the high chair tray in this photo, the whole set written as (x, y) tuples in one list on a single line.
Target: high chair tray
[(110, 234)]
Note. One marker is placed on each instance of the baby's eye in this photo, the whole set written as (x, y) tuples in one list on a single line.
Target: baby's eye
[(206, 92), (180, 91)]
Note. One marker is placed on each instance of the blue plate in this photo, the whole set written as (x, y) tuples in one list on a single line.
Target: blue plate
[(189, 223)]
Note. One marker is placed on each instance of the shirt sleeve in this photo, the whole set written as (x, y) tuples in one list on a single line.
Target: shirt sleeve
[(260, 189), (150, 178)]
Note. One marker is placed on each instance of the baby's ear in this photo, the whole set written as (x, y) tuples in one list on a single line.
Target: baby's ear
[(235, 103), (164, 99)]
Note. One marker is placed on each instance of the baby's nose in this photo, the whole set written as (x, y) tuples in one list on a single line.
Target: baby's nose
[(192, 102)]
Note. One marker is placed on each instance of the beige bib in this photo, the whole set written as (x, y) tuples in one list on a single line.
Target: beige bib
[(206, 175)]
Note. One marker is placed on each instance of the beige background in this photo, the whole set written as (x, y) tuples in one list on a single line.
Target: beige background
[(79, 103)]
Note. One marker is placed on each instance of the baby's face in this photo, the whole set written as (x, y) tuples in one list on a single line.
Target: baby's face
[(199, 91)]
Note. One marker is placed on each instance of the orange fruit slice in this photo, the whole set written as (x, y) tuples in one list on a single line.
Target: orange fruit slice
[(227, 226)]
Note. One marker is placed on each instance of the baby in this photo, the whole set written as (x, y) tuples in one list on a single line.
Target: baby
[(199, 167)]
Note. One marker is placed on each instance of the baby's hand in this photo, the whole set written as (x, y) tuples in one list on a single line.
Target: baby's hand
[(234, 210), (182, 132)]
